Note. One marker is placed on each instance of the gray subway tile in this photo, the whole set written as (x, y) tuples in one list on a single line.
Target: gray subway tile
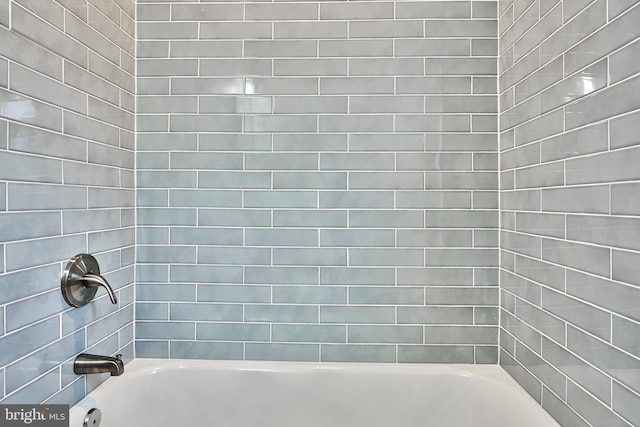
[(206, 12), (433, 199), (356, 48), (588, 199), (232, 332), (460, 334), (592, 259), (15, 346), (386, 257), (357, 238), (150, 348), (280, 313), (309, 333), (234, 293), (625, 402), (387, 334), (356, 11), (293, 275), (200, 311), (379, 295), (235, 30), (432, 46), (433, 123), (309, 256), (280, 199), (622, 64), (309, 30), (41, 114), (298, 294), (435, 353), (436, 9), (602, 355), (625, 267), (432, 85), (615, 34), (205, 198), (167, 30), (280, 48), (282, 352), (582, 141), (624, 131), (607, 231), (232, 180), (236, 67), (623, 200), (357, 276), (436, 315), (310, 180), (310, 67), (281, 237), (604, 167), (434, 238), (206, 350), (357, 314), (232, 256), (281, 12)]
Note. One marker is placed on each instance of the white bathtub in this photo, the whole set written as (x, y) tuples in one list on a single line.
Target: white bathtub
[(189, 393)]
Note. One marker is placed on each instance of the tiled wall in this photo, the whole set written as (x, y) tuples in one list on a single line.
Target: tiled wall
[(317, 181), (570, 181), (66, 187)]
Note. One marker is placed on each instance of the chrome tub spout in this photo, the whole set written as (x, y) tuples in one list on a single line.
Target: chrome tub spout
[(95, 364)]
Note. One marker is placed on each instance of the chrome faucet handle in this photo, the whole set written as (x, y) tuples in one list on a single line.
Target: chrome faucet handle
[(95, 280), (81, 279)]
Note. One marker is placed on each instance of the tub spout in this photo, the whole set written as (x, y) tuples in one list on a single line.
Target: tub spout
[(94, 364)]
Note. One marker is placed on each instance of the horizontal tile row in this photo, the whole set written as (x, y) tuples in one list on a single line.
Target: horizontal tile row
[(389, 353), (213, 11)]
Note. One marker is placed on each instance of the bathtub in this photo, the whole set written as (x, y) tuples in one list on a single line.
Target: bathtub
[(189, 393)]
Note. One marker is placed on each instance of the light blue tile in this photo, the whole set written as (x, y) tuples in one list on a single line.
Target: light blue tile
[(357, 276), (281, 313), (233, 332), (309, 294), (310, 333), (31, 310), (437, 315), (205, 312), (284, 352), (281, 237), (387, 334), (108, 325), (165, 330), (386, 296), (153, 349), (435, 354), (234, 293), (206, 274), (307, 218), (25, 225), (37, 252), (165, 292), (24, 341), (151, 311), (229, 255), (280, 199), (357, 314), (37, 391), (205, 350), (358, 353), (281, 275)]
